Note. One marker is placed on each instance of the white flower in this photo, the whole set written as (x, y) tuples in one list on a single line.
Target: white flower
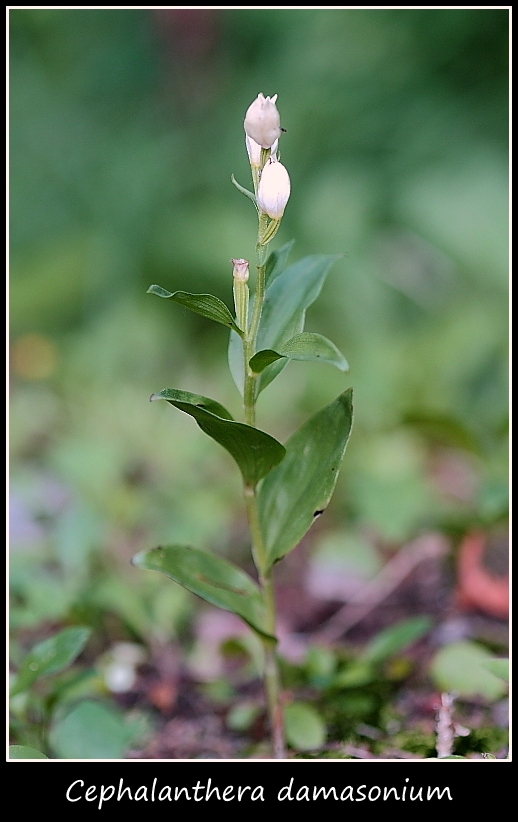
[(274, 190), (254, 151), (262, 121), (240, 271)]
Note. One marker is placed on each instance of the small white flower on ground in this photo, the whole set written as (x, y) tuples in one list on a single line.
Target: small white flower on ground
[(262, 121), (274, 190)]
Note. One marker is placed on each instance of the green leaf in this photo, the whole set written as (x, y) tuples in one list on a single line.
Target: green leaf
[(241, 716), (277, 261), (23, 752), (305, 729), (354, 675), (236, 361), (50, 656), (205, 304), (298, 490), (498, 667), (211, 577), (462, 667), (443, 428), (92, 730), (320, 665), (303, 346), (394, 639), (174, 396), (255, 452), (287, 298)]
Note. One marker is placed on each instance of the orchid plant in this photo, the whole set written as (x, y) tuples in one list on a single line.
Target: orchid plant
[(286, 487)]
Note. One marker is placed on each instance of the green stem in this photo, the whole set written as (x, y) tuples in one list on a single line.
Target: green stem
[(249, 387), (271, 671), (271, 681), (258, 549)]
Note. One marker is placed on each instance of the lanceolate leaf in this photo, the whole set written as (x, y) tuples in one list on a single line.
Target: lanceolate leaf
[(211, 577), (205, 304), (277, 261), (50, 656), (298, 490), (303, 346), (395, 638), (174, 396), (255, 452), (236, 361), (286, 300)]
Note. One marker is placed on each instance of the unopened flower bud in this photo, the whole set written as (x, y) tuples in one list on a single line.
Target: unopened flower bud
[(254, 151), (262, 121), (240, 270), (274, 190)]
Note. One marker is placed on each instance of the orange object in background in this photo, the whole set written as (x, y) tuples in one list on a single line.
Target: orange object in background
[(476, 586), (34, 357)]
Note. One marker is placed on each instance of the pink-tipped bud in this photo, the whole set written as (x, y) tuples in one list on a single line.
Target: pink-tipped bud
[(262, 121), (240, 272), (274, 190)]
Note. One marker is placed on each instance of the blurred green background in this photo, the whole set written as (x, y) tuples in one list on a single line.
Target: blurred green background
[(125, 127)]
